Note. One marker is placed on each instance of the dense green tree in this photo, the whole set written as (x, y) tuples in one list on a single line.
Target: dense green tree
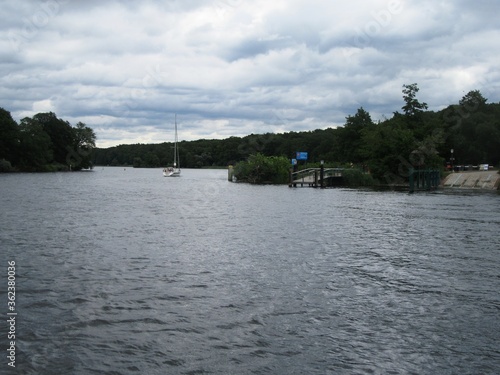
[(137, 162), (227, 151), (386, 149), (472, 130), (35, 150), (292, 142), (9, 137), (327, 145), (45, 143), (61, 135), (350, 136), (472, 101), (152, 160), (80, 152), (412, 108), (259, 169)]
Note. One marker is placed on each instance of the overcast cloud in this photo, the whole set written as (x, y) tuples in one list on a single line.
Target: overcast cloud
[(234, 67)]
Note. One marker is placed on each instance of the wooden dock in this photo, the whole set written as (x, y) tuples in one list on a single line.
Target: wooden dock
[(315, 177)]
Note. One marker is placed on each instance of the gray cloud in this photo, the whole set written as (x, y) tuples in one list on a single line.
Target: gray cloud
[(229, 67)]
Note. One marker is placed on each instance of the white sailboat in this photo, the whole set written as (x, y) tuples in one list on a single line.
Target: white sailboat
[(174, 171)]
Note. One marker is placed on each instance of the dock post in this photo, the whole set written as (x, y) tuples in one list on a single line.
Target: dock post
[(322, 175), (436, 178), (412, 180)]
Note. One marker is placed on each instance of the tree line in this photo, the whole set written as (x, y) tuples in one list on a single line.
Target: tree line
[(44, 143), (412, 138)]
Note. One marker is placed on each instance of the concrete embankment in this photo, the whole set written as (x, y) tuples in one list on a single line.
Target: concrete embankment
[(483, 180)]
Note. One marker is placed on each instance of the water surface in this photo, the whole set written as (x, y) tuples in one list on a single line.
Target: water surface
[(123, 271)]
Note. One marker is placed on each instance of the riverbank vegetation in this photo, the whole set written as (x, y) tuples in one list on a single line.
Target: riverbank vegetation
[(44, 143), (412, 138), (260, 169), (355, 177)]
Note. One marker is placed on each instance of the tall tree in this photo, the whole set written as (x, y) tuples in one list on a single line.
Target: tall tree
[(412, 108), (9, 137), (472, 101), (387, 148), (349, 137), (60, 132), (80, 155), (34, 146)]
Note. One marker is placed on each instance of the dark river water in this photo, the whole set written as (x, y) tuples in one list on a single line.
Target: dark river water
[(127, 272)]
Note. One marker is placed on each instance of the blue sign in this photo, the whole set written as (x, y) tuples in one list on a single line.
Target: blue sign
[(294, 161), (301, 155)]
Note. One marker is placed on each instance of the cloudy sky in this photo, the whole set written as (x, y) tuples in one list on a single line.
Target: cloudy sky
[(235, 67)]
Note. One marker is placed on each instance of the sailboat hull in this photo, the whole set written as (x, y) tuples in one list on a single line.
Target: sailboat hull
[(172, 174)]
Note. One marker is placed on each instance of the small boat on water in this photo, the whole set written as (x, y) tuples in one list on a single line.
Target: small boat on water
[(174, 171)]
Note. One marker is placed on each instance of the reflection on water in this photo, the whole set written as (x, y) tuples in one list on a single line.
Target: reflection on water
[(124, 271)]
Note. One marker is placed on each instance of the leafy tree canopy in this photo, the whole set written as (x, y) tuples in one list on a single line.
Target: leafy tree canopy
[(412, 106), (472, 101), (45, 142), (418, 138)]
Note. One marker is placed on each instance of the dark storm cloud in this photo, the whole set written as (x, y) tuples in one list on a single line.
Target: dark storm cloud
[(230, 67)]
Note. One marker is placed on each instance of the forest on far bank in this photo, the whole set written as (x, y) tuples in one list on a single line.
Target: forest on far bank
[(413, 138)]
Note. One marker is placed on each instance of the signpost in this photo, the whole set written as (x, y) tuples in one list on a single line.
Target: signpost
[(301, 155)]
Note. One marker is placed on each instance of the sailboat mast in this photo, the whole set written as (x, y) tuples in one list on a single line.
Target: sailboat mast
[(175, 142), (174, 171)]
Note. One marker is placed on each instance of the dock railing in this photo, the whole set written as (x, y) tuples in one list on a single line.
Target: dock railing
[(424, 179), (314, 177)]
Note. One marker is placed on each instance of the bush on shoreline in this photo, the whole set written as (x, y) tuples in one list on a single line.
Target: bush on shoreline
[(260, 169), (5, 166)]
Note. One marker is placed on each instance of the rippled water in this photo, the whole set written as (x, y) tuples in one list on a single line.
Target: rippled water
[(124, 271)]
